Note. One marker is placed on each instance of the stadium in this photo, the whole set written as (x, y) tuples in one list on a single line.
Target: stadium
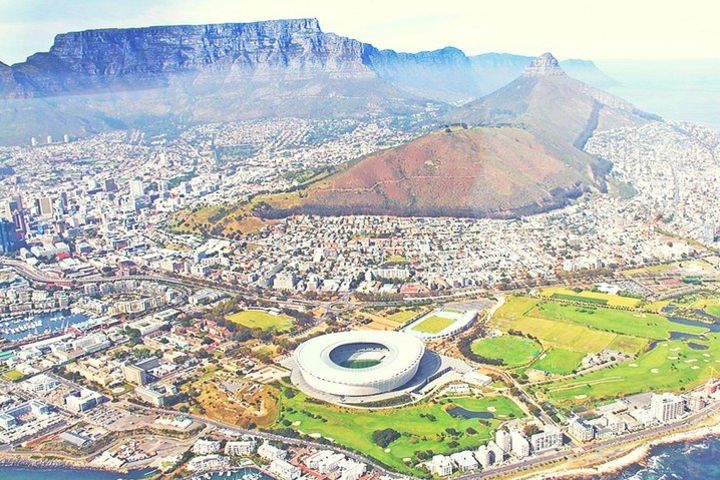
[(359, 366)]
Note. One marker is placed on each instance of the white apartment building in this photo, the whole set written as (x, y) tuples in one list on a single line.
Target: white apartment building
[(441, 466), (285, 470), (551, 437), (666, 407)]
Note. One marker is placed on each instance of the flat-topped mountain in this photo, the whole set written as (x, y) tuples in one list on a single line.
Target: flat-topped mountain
[(95, 80)]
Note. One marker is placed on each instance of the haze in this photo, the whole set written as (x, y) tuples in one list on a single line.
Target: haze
[(645, 29)]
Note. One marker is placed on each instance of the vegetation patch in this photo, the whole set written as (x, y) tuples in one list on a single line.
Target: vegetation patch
[(558, 361), (512, 350), (671, 366), (433, 324), (391, 435), (263, 320)]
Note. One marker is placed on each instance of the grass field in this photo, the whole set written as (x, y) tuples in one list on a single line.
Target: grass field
[(584, 329), (670, 366), (13, 375), (262, 320), (558, 361), (558, 334), (513, 350), (433, 324), (590, 297), (402, 316), (423, 427), (643, 325), (709, 305)]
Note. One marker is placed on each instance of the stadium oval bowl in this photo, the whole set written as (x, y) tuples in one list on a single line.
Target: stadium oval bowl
[(359, 363)]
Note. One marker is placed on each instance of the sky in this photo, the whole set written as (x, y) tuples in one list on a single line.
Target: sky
[(592, 29)]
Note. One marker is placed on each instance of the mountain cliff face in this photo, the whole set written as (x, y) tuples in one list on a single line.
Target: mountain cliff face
[(82, 62), (137, 77), (446, 74)]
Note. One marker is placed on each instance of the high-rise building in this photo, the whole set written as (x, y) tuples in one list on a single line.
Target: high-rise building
[(45, 206), (109, 185), (8, 236), (581, 430), (520, 445), (667, 407), (49, 139), (137, 188)]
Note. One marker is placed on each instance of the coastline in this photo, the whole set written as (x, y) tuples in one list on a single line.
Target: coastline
[(47, 463), (632, 457)]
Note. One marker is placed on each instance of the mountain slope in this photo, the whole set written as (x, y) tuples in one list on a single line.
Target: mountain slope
[(522, 155), (495, 70), (446, 75), (476, 172), (548, 102)]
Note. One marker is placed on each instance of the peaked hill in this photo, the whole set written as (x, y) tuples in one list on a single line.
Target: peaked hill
[(521, 154)]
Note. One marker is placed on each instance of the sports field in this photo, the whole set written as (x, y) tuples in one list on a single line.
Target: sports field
[(262, 320), (403, 316), (433, 324), (513, 350), (423, 427), (558, 361), (670, 366)]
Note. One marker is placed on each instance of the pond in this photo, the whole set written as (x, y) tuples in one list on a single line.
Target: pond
[(465, 413)]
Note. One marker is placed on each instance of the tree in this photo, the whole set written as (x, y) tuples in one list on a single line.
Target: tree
[(385, 437)]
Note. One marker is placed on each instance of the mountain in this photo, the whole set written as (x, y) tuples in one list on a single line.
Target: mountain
[(495, 70), (114, 78), (519, 151), (446, 75), (546, 101), (158, 77)]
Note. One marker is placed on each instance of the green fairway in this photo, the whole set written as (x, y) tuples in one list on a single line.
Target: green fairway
[(262, 320), (558, 334), (643, 325), (670, 366), (423, 427), (628, 344), (513, 350), (578, 298), (558, 361), (587, 296), (433, 324)]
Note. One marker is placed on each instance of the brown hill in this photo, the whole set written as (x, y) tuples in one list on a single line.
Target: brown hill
[(476, 172), (522, 156)]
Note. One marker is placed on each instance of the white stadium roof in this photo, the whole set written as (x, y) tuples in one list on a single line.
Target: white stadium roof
[(402, 353)]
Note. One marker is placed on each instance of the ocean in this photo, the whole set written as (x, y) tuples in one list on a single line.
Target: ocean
[(696, 460), (684, 90)]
